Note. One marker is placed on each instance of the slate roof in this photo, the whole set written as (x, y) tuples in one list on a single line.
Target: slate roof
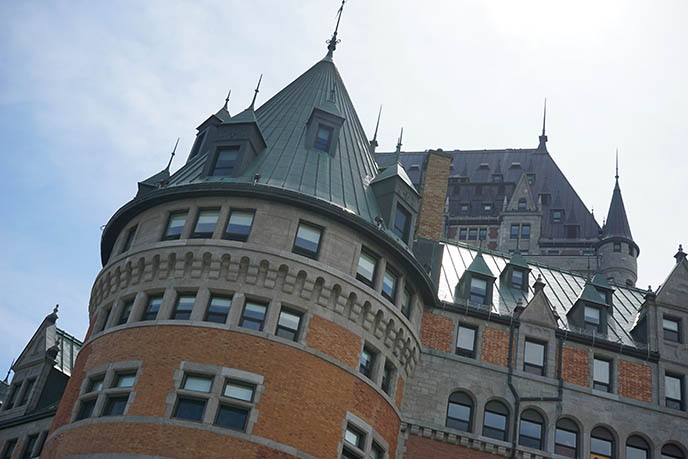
[(617, 221), (342, 178), (562, 289), (480, 165)]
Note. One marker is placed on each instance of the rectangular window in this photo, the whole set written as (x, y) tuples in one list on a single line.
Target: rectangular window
[(307, 242), (288, 324), (402, 223), (239, 225), (175, 225), (517, 279), (525, 231), (232, 417), (323, 138), (514, 231), (206, 223), (367, 362), (602, 370), (125, 380), (367, 264), (253, 316), (126, 311), (531, 178), (472, 234), (617, 247), (95, 384), (27, 392), (482, 235), (389, 285), (103, 324), (218, 309), (565, 442), (28, 446), (545, 199), (387, 378), (197, 383), (487, 209), (151, 312), (478, 290), (8, 448), (673, 389), (497, 178), (12, 397), (114, 406), (239, 391), (672, 329), (226, 161), (185, 304), (86, 409), (376, 451), (557, 215), (534, 358), (406, 298), (463, 209), (591, 318), (354, 437), (463, 234), (191, 409), (465, 341), (129, 239)]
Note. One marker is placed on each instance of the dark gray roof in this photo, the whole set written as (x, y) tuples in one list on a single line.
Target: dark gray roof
[(562, 288), (616, 224), (480, 165)]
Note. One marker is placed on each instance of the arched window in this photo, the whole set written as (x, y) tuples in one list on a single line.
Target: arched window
[(670, 451), (601, 444), (522, 204), (566, 438), (496, 420), (637, 448), (460, 411), (531, 430)]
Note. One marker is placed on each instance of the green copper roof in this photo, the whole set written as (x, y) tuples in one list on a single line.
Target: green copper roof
[(591, 295), (518, 260), (479, 266), (392, 171)]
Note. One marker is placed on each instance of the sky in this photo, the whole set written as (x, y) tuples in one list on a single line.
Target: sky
[(93, 96)]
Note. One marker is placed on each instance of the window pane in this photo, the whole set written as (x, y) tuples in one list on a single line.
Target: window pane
[(253, 316), (672, 387), (376, 452), (239, 391), (151, 312), (635, 453), (218, 309), (472, 234), (525, 231), (406, 302), (670, 325), (601, 371), (115, 406), (401, 223), (207, 221), (460, 412), (466, 339), (184, 306), (288, 324), (495, 420), (198, 383), (239, 225), (86, 410), (189, 408), (226, 162), (307, 239), (517, 278), (389, 283), (125, 380), (535, 353), (600, 446), (366, 364), (175, 225), (232, 417), (566, 437), (354, 437), (96, 385), (322, 138), (366, 267), (592, 315), (126, 310)]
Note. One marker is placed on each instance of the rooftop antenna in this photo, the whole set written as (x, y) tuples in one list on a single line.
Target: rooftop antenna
[(255, 94), (174, 150), (227, 99), (332, 42), (401, 136), (543, 137)]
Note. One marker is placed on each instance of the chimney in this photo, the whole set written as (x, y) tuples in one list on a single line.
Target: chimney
[(434, 186)]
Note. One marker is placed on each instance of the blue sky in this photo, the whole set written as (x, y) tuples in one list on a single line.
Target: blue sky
[(94, 94)]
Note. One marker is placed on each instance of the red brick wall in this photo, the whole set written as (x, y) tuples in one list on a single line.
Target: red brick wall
[(575, 366), (426, 448), (431, 217), (437, 332), (399, 394), (334, 340), (635, 381), (495, 348), (301, 405)]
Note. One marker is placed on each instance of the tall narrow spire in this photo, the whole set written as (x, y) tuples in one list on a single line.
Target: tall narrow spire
[(617, 221), (332, 42), (227, 100), (174, 150), (401, 135), (255, 94), (373, 143), (617, 167), (543, 137)]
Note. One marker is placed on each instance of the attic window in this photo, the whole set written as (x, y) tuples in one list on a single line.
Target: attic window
[(487, 209), (517, 279), (478, 290), (323, 138), (591, 319), (414, 167), (402, 223), (557, 215), (226, 161), (484, 166), (531, 178), (463, 209), (522, 204), (497, 178)]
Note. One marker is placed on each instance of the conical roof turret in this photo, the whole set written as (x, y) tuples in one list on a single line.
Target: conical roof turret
[(617, 222)]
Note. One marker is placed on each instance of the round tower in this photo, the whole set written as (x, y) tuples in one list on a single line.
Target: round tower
[(254, 303), (617, 252)]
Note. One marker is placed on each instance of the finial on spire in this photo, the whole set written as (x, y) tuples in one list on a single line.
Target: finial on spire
[(57, 306), (174, 150), (373, 143), (401, 136), (543, 137), (617, 165), (332, 42), (255, 94), (227, 99), (680, 255)]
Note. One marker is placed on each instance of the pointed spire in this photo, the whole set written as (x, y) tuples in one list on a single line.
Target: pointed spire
[(543, 138), (616, 223), (401, 136), (255, 94), (174, 150), (617, 167), (373, 143), (332, 42), (227, 100)]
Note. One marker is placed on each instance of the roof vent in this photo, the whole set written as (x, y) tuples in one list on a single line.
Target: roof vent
[(414, 167), (515, 165), (484, 166)]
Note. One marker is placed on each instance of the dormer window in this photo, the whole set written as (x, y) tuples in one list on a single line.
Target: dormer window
[(517, 279), (531, 178), (225, 161), (591, 318), (402, 223), (198, 143), (487, 209), (557, 215), (463, 209), (323, 138), (478, 290), (497, 178), (522, 205)]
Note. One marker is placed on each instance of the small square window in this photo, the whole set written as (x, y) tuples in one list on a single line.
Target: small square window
[(307, 241), (114, 406), (206, 223), (86, 409), (463, 209), (95, 384), (406, 299), (175, 225), (487, 209), (239, 391), (602, 374), (673, 389), (525, 231), (389, 284), (191, 409), (253, 316), (463, 234), (232, 417), (617, 247), (465, 341), (522, 205), (197, 383), (129, 239), (288, 324), (472, 234), (402, 223), (226, 161), (185, 304), (218, 309), (323, 138), (151, 312), (239, 225), (497, 178), (534, 359), (478, 290), (672, 329), (514, 231), (368, 357), (557, 215), (531, 178), (125, 380), (367, 265), (545, 199), (354, 437), (126, 311), (376, 452)]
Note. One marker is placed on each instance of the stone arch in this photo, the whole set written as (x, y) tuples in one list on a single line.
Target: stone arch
[(118, 277), (300, 283), (155, 268), (188, 264), (281, 277), (262, 272), (317, 289), (224, 266), (350, 305), (243, 269), (205, 264), (127, 274), (335, 293)]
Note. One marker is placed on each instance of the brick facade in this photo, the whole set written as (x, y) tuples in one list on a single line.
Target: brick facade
[(426, 448), (431, 217), (576, 366), (635, 381), (495, 346), (334, 340), (437, 332)]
